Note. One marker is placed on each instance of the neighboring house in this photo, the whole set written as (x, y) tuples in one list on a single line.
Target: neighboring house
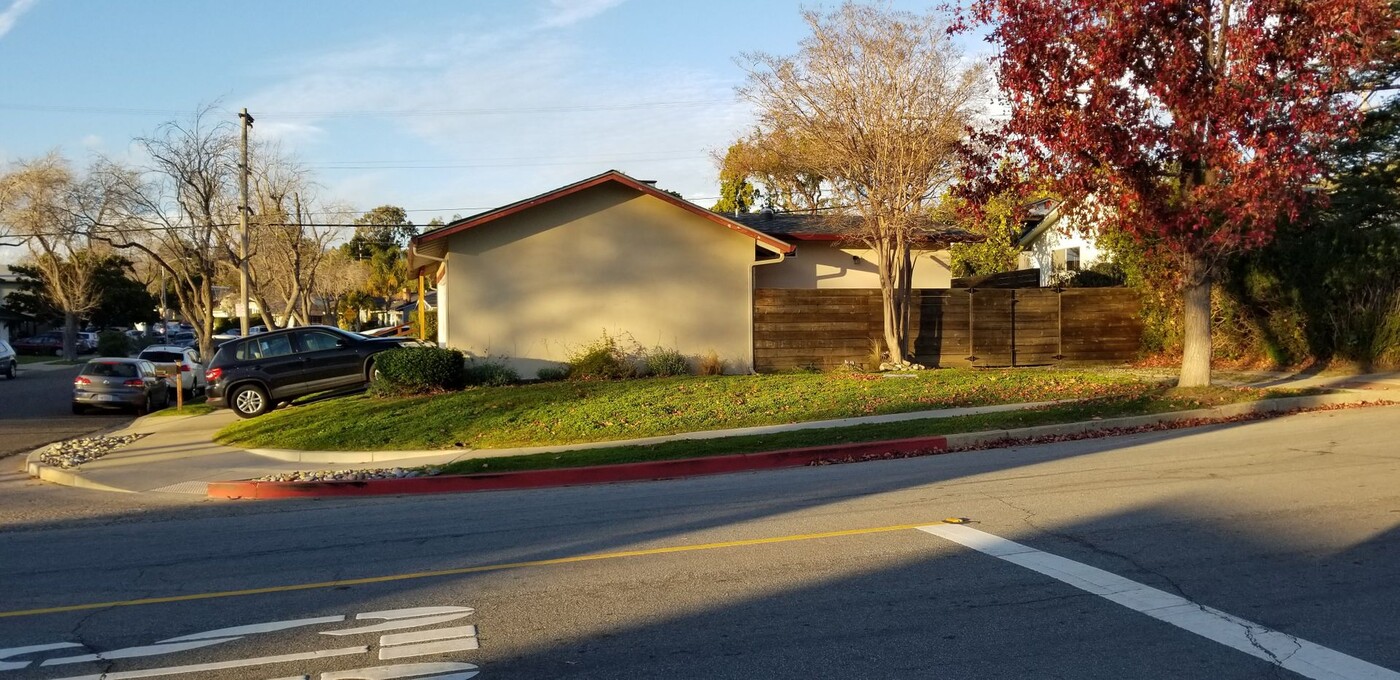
[(408, 310), (535, 281), (1057, 247), (11, 323)]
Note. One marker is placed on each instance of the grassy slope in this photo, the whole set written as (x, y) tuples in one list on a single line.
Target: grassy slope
[(1159, 400), (570, 412)]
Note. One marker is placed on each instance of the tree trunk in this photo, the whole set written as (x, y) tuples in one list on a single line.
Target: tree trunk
[(1196, 346), (894, 300), (70, 336)]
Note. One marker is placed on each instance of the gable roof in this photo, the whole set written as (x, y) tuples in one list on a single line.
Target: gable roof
[(769, 242), (1038, 229)]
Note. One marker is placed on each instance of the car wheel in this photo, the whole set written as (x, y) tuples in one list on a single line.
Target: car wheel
[(249, 401), (58, 352), (79, 409), (13, 372), (145, 407)]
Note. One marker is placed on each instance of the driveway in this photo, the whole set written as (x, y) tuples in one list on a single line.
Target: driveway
[(35, 409)]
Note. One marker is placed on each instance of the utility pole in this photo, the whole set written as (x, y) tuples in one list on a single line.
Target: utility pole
[(247, 122)]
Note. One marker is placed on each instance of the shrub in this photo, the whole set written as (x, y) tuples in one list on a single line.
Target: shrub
[(418, 370), (663, 362), (113, 344), (490, 373), (603, 359), (552, 373), (710, 364)]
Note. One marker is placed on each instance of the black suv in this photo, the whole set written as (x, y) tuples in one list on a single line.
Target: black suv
[(252, 375)]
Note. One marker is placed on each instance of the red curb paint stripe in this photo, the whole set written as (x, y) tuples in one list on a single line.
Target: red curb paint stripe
[(599, 474)]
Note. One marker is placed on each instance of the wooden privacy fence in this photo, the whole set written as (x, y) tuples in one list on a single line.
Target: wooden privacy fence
[(962, 327)]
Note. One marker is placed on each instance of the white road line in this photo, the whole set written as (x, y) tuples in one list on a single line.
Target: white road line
[(137, 652), (426, 648), (397, 625), (221, 665), (427, 635), (1295, 654), (414, 612), (16, 651), (253, 628), (406, 670)]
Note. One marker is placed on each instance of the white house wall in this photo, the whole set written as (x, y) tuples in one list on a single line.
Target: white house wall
[(1058, 237), (821, 264)]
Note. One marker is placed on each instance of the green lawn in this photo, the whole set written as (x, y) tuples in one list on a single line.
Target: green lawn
[(1158, 400), (570, 412), (193, 407)]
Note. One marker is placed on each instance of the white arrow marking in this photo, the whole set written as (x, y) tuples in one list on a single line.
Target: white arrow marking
[(427, 635), (17, 651), (414, 612), (136, 652), (257, 628), (221, 665), (397, 625), (406, 670)]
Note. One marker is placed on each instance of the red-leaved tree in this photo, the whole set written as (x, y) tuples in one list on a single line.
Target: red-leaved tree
[(1195, 126)]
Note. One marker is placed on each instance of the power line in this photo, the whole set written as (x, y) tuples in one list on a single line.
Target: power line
[(384, 113)]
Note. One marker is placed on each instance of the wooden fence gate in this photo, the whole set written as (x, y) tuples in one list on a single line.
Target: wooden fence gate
[(823, 328)]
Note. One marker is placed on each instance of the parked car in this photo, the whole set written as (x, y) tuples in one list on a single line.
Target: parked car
[(43, 343), (120, 383), (254, 374), (171, 360), (87, 342), (9, 362)]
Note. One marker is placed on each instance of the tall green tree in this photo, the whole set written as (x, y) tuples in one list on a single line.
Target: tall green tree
[(381, 228)]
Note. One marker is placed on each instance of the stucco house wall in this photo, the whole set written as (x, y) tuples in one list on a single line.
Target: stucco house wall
[(824, 264), (535, 286)]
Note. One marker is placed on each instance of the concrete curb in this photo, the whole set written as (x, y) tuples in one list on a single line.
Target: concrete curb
[(51, 474), (687, 467), (662, 469)]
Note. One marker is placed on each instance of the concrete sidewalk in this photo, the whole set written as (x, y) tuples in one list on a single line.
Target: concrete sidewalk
[(179, 456)]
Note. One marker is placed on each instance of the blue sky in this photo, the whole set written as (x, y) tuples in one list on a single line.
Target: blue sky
[(506, 98)]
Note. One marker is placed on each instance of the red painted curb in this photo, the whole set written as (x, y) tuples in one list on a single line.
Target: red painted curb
[(599, 474)]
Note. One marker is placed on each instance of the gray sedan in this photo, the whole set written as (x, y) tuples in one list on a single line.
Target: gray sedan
[(120, 383)]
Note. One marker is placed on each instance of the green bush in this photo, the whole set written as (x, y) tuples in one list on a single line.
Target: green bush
[(552, 373), (604, 359), (113, 344), (490, 373), (418, 370), (663, 362)]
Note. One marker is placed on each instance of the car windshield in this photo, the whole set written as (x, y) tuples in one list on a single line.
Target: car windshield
[(110, 370), (163, 356)]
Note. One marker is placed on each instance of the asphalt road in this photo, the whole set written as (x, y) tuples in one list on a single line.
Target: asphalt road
[(1264, 545), (36, 409)]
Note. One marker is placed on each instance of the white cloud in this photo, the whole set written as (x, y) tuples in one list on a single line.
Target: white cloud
[(561, 13), (13, 13), (529, 114)]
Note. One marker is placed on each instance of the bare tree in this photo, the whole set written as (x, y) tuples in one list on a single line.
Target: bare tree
[(876, 102), (179, 210), (42, 202), (337, 275), (290, 236)]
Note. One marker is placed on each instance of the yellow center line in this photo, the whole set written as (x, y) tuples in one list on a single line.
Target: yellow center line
[(461, 570)]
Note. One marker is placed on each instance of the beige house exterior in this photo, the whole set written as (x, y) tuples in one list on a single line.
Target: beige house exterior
[(533, 282)]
